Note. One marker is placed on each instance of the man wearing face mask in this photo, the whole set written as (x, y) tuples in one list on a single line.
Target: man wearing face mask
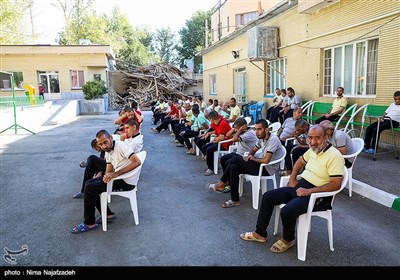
[(324, 171)]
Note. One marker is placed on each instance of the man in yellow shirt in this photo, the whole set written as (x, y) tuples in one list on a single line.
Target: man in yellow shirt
[(324, 170), (339, 106)]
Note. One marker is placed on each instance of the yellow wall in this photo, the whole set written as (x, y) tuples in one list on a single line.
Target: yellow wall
[(29, 60), (303, 38), (232, 7)]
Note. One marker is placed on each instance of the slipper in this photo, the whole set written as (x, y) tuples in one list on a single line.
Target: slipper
[(189, 153), (227, 189), (109, 220), (248, 236), (281, 247), (230, 204), (212, 188), (83, 228)]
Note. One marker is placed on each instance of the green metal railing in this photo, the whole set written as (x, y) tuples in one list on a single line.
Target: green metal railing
[(6, 102)]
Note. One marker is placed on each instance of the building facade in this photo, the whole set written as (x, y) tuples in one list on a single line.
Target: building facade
[(60, 71), (320, 45)]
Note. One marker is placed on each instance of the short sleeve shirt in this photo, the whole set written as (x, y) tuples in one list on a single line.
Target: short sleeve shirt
[(393, 112), (235, 111), (119, 156), (288, 128), (248, 140), (321, 167), (338, 103), (271, 145)]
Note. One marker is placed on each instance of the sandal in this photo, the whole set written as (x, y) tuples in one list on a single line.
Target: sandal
[(213, 188), (249, 236), (230, 204), (83, 228), (281, 246)]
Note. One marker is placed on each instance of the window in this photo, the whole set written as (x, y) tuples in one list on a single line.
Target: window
[(242, 19), (213, 84), (97, 77), (77, 79), (5, 80), (240, 84), (276, 75), (352, 66)]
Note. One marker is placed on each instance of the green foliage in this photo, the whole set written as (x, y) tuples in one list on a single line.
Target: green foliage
[(94, 89), (193, 37), (11, 15), (164, 45)]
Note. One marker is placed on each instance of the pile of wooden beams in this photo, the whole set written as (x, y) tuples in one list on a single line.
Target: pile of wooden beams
[(146, 84)]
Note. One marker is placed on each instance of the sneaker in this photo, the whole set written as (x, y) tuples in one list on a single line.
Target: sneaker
[(208, 172), (371, 151), (364, 150), (154, 130), (78, 195), (175, 141), (180, 145)]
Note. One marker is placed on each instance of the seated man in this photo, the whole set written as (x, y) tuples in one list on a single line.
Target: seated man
[(340, 140), (323, 173), (391, 113), (288, 129), (120, 160), (294, 151), (246, 138), (339, 106), (97, 165), (221, 128), (268, 148)]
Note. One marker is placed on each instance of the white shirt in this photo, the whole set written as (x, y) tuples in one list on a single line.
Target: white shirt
[(119, 158), (393, 112), (136, 143)]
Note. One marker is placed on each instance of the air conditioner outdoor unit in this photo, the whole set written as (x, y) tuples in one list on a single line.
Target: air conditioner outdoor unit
[(263, 43)]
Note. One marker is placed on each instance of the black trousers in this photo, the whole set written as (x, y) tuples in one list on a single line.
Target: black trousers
[(295, 206), (93, 189), (94, 165), (371, 133), (235, 167), (332, 118)]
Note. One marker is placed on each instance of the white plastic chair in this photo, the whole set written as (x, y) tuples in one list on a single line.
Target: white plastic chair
[(358, 144), (135, 173), (218, 154), (274, 127), (116, 137), (349, 128), (347, 113), (248, 120), (259, 180), (304, 220)]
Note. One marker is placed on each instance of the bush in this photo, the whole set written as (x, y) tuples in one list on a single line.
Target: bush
[(94, 89)]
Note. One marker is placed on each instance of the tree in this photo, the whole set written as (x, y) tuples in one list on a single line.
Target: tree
[(193, 37), (11, 15), (164, 45)]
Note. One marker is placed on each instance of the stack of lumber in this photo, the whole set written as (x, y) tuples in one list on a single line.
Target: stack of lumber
[(146, 84)]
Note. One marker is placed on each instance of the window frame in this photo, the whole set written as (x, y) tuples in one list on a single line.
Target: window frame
[(366, 70), (240, 72), (78, 78), (273, 71), (17, 81), (213, 84)]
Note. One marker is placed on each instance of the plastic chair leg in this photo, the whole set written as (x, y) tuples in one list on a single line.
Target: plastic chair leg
[(241, 179), (255, 184), (216, 162), (277, 216), (350, 170), (302, 236), (133, 201), (103, 203), (330, 230)]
